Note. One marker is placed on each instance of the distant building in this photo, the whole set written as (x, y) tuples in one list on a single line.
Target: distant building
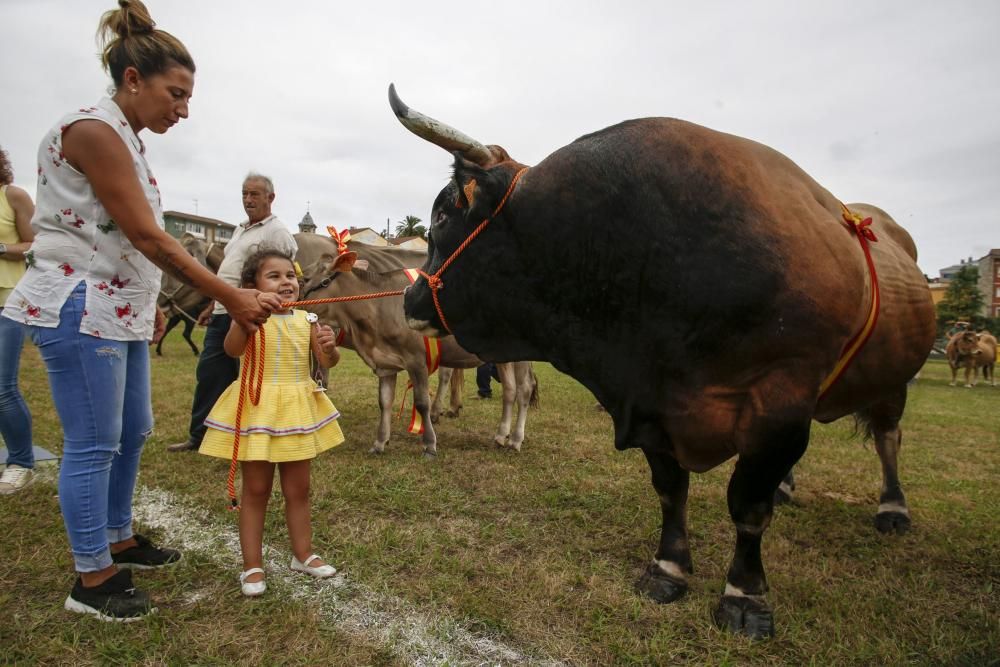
[(989, 282), (949, 272), (409, 242), (367, 235), (176, 224), (307, 226)]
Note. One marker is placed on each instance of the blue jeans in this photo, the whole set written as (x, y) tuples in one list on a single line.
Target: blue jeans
[(15, 420), (101, 391)]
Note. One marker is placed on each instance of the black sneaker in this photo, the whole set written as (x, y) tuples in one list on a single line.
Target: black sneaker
[(115, 600), (145, 556)]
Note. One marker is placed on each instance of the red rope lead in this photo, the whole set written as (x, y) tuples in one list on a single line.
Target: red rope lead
[(253, 363), (434, 281), (865, 234)]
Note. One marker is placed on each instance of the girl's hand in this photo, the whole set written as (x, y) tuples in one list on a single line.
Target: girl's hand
[(325, 338)]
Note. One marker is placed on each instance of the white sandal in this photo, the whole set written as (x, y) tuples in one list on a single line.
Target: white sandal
[(321, 572), (252, 589)]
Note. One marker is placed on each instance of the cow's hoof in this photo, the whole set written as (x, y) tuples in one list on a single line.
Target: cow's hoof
[(451, 414), (377, 450), (660, 587), (744, 616), (430, 455), (892, 522), (500, 442), (782, 497), (951, 384), (435, 419)]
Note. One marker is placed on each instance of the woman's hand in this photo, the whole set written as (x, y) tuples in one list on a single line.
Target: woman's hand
[(159, 326), (250, 308)]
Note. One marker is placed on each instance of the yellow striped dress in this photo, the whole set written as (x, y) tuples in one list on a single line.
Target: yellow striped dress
[(293, 420)]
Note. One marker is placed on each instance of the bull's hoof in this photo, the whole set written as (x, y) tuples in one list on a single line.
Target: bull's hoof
[(782, 497), (660, 587), (951, 384), (435, 418), (377, 450), (430, 454), (500, 442), (451, 414), (744, 616), (892, 522)]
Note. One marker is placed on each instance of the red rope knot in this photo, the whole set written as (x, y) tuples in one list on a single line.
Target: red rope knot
[(861, 226), (433, 281)]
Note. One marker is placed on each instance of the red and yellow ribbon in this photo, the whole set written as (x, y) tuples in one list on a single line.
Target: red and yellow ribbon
[(340, 237), (432, 357)]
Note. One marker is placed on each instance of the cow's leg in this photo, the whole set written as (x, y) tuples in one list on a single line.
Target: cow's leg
[(507, 381), (665, 580), (457, 385), (444, 380), (954, 373), (784, 493), (171, 323), (525, 383), (970, 375), (386, 397), (882, 421), (422, 404), (777, 445), (188, 328)]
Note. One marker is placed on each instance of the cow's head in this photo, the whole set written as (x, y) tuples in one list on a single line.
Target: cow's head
[(481, 176), (968, 344)]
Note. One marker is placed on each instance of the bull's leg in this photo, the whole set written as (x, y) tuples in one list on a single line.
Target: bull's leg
[(386, 397), (970, 375), (776, 447), (784, 493), (525, 383), (665, 580), (457, 385), (882, 420), (507, 381), (188, 328), (422, 404), (954, 374), (444, 380)]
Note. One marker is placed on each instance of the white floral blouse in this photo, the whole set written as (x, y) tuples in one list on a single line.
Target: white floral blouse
[(76, 241)]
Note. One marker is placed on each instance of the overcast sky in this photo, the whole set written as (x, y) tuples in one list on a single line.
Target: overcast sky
[(896, 102)]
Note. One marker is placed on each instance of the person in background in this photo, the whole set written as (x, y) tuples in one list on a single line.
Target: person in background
[(216, 370), (486, 372), (89, 294), (16, 236)]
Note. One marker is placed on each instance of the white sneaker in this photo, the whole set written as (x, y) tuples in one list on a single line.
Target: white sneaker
[(320, 572), (15, 478)]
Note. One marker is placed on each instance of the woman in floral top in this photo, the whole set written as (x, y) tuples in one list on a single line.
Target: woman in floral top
[(89, 300)]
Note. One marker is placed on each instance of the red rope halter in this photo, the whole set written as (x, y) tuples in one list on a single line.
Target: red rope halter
[(434, 280)]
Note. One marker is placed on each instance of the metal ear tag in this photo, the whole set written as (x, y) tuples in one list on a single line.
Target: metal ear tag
[(312, 318)]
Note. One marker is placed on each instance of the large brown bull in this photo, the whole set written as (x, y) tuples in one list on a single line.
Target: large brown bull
[(377, 331), (704, 288)]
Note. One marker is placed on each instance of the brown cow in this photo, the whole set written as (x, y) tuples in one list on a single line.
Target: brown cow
[(972, 351), (377, 331), (183, 302)]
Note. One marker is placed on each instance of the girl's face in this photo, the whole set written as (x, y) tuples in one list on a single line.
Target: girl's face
[(277, 274)]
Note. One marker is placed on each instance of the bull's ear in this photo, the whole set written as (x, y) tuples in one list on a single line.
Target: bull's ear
[(345, 262), (470, 178)]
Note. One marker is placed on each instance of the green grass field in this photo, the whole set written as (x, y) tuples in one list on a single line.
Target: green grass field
[(536, 552)]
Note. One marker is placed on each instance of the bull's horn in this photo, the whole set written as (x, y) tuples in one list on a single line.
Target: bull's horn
[(437, 132)]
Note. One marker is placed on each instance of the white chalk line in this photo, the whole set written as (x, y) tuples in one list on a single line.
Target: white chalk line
[(416, 637)]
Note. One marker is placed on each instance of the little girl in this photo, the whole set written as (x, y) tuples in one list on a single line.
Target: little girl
[(292, 422)]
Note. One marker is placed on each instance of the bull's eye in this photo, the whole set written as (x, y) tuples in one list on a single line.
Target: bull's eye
[(440, 218)]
